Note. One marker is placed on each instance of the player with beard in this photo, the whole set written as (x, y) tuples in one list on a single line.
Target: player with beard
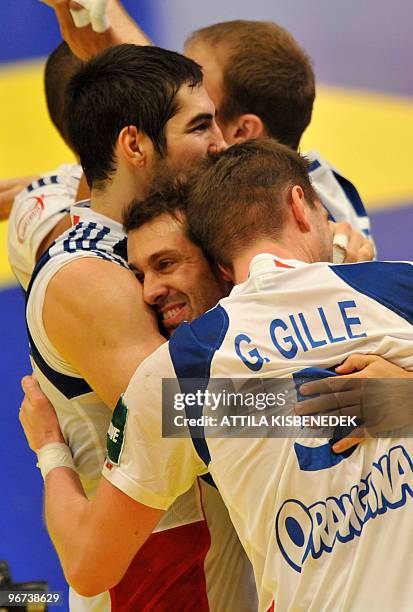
[(300, 510), (133, 113), (262, 84)]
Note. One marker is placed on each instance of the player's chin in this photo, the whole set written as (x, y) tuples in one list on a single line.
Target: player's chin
[(171, 326)]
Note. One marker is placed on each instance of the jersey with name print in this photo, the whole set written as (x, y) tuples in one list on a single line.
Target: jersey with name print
[(182, 559), (323, 531), (338, 195), (35, 212)]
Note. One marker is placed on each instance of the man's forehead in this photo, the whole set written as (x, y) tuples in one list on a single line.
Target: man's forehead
[(192, 101), (163, 233), (212, 60)]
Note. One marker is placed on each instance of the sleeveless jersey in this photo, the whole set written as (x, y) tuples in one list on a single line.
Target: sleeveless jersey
[(338, 195), (35, 212), (178, 562)]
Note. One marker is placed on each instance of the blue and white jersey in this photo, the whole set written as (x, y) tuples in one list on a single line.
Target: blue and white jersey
[(35, 212), (84, 420), (323, 531), (82, 415), (338, 195)]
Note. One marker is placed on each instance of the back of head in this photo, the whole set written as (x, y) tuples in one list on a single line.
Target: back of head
[(167, 197), (242, 196), (61, 65), (123, 86), (266, 73)]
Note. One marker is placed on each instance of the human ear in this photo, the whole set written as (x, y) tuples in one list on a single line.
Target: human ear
[(244, 127), (131, 145), (299, 208)]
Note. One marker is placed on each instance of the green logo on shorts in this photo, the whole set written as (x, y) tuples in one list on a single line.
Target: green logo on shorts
[(116, 433)]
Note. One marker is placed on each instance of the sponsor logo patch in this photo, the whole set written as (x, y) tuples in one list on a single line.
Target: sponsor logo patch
[(28, 218), (116, 433), (315, 530)]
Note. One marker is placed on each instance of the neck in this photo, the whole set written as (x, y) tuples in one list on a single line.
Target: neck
[(116, 195), (279, 248)]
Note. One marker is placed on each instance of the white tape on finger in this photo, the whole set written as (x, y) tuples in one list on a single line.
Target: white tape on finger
[(341, 240), (81, 17), (98, 15), (340, 244)]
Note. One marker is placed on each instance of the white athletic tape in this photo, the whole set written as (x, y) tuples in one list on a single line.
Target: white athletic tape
[(339, 255), (55, 454), (340, 240), (98, 15), (81, 18), (340, 244), (93, 12)]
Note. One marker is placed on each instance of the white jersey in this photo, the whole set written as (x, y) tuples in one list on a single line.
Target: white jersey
[(338, 195), (323, 531), (35, 212), (84, 421)]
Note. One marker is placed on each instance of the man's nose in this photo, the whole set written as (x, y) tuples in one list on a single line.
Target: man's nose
[(154, 290), (218, 143)]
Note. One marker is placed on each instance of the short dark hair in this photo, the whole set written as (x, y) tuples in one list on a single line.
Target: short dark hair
[(266, 73), (242, 196), (125, 85), (168, 197), (60, 66)]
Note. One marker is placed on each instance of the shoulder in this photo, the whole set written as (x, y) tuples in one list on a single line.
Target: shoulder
[(388, 282), (193, 345)]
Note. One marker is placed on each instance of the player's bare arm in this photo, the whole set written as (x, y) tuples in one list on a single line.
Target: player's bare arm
[(95, 540), (106, 335), (85, 41)]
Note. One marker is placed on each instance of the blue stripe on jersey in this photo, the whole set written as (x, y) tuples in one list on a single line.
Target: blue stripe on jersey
[(121, 248), (351, 194), (69, 386), (66, 242), (85, 236), (192, 348), (313, 166), (78, 239), (311, 459), (320, 457), (55, 179), (99, 236), (386, 282)]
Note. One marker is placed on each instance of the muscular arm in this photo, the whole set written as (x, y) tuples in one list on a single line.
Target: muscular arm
[(96, 540), (95, 316)]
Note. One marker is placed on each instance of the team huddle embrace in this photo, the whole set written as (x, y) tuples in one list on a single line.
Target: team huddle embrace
[(192, 253)]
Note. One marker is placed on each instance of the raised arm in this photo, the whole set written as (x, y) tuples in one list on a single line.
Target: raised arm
[(84, 41)]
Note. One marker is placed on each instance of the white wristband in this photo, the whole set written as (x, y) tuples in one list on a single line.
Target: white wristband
[(55, 454)]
